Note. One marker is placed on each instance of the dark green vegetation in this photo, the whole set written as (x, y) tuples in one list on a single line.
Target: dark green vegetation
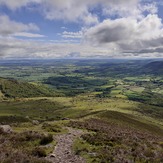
[(41, 109), (73, 85), (118, 101), (11, 88)]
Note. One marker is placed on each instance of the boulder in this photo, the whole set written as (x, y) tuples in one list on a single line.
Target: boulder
[(6, 129)]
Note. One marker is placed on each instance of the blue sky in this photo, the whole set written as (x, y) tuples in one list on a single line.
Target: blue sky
[(81, 29)]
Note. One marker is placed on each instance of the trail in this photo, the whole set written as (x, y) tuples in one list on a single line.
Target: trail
[(63, 151)]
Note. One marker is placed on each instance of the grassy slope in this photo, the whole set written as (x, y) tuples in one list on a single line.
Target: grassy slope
[(13, 88), (107, 118), (42, 109), (118, 133), (117, 110)]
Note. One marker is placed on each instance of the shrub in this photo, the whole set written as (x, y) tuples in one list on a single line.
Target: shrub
[(51, 127), (39, 152), (46, 139)]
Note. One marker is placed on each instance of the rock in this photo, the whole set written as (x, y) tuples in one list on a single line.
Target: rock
[(35, 122), (63, 150), (52, 155), (6, 129), (27, 117)]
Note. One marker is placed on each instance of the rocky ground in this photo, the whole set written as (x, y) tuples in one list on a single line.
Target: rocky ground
[(63, 151)]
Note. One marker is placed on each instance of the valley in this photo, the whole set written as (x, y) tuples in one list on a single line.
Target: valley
[(117, 104)]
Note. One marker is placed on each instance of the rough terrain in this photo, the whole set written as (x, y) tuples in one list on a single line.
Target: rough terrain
[(63, 151)]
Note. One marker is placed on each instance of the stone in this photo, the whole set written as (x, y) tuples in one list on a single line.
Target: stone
[(6, 129), (35, 122), (52, 155)]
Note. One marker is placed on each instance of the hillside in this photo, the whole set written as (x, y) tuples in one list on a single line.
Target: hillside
[(108, 112), (155, 67), (12, 88)]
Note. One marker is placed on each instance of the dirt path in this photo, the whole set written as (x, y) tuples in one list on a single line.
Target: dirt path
[(63, 151)]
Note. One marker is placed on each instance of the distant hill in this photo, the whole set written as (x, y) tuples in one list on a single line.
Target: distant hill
[(155, 67), (12, 88)]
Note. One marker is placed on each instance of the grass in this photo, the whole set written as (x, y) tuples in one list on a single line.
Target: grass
[(131, 121), (48, 127), (56, 127), (22, 147), (35, 109), (137, 89), (12, 119), (57, 108), (12, 88), (86, 150), (36, 140), (121, 110)]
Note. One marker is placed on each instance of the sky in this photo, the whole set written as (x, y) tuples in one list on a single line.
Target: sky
[(81, 29)]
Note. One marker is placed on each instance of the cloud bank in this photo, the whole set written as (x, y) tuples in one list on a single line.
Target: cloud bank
[(128, 33), (120, 28)]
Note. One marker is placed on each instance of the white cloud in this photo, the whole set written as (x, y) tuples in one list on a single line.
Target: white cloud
[(9, 27), (80, 10), (131, 33), (127, 33), (29, 35), (69, 10), (75, 35), (16, 48), (63, 28), (11, 47), (150, 7), (74, 10), (122, 8), (15, 4)]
